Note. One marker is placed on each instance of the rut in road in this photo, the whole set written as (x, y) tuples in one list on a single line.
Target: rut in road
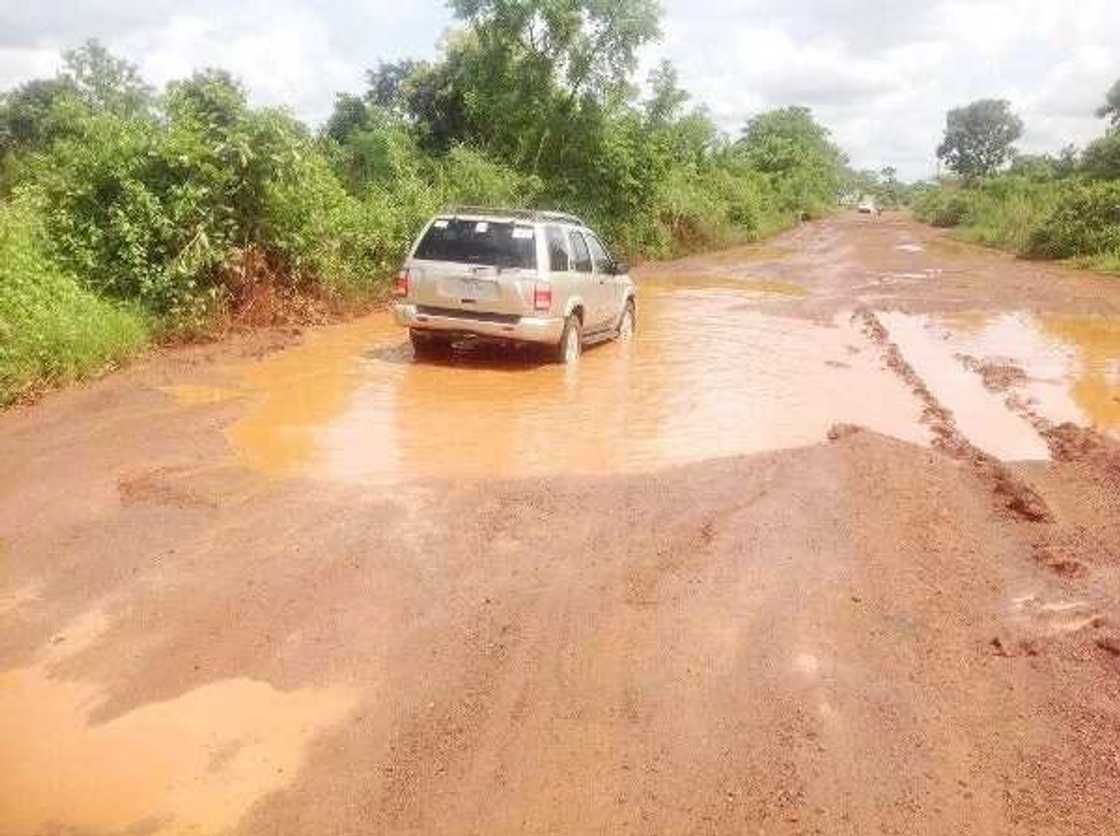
[(1012, 493)]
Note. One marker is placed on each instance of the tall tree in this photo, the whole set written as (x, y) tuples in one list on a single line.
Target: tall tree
[(791, 147), (350, 113), (782, 140), (106, 82), (27, 113), (666, 96), (533, 71), (979, 137), (388, 84), (584, 45), (1110, 110)]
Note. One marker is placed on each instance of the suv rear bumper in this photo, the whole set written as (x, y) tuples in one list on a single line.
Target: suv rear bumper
[(528, 329)]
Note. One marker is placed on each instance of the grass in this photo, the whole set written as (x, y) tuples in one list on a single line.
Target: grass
[(52, 330), (1101, 263), (1031, 219), (1005, 223)]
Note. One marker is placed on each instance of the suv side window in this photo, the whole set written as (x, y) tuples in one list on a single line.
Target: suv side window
[(599, 255), (558, 259), (582, 254)]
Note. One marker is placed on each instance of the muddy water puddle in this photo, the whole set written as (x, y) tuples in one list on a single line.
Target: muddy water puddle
[(708, 375), (1064, 367), (980, 414), (192, 764)]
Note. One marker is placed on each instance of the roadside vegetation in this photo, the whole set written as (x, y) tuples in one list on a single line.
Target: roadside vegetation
[(882, 186), (1064, 206), (129, 214)]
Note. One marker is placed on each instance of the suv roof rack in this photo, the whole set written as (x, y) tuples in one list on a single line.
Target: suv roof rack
[(521, 214)]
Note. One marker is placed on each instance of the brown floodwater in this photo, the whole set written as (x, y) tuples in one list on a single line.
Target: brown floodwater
[(979, 413), (189, 765), (709, 374), (1071, 363), (725, 362)]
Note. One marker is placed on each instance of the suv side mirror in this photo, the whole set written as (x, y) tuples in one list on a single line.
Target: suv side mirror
[(620, 268)]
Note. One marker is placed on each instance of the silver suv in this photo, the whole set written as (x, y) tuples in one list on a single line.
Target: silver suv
[(517, 275)]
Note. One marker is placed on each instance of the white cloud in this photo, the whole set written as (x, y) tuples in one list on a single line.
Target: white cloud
[(296, 53), (20, 63), (882, 74), (287, 60)]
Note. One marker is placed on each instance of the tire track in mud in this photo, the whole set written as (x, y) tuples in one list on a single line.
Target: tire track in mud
[(1014, 496), (1085, 449), (1097, 457), (1054, 546)]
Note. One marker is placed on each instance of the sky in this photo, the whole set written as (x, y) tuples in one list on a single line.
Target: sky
[(879, 73)]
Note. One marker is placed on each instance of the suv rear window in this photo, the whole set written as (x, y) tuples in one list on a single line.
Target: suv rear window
[(494, 244)]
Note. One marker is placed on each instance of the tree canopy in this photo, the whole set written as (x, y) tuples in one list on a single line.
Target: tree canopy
[(790, 143), (106, 82), (979, 138), (1110, 110)]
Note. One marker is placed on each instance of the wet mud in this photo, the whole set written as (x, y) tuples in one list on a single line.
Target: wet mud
[(830, 547)]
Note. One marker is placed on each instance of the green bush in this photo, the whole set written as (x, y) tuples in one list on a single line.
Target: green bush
[(1056, 219), (1102, 158), (468, 177), (944, 207), (1084, 221), (327, 239), (1005, 211), (53, 330), (156, 212)]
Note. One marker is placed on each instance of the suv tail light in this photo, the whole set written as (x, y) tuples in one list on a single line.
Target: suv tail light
[(401, 288), (542, 297)]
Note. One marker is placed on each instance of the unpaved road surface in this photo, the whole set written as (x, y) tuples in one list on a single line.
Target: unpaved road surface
[(832, 547)]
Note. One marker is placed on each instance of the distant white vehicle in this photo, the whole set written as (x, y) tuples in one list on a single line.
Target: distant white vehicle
[(867, 206)]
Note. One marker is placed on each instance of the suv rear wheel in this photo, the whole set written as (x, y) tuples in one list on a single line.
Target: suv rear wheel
[(571, 341), (626, 322)]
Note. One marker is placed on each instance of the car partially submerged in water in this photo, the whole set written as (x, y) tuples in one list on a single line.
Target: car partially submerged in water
[(513, 275)]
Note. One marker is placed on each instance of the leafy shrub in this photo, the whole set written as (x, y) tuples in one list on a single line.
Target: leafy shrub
[(1101, 159), (155, 212), (468, 177), (1004, 211), (326, 238), (1084, 221), (51, 329), (945, 207), (1069, 218)]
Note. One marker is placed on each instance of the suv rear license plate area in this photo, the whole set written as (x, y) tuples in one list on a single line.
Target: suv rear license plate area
[(470, 288)]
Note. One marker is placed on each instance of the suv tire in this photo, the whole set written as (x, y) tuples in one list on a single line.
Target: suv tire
[(570, 347), (627, 322)]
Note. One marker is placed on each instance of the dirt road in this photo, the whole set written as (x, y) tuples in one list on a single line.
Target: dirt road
[(832, 547)]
